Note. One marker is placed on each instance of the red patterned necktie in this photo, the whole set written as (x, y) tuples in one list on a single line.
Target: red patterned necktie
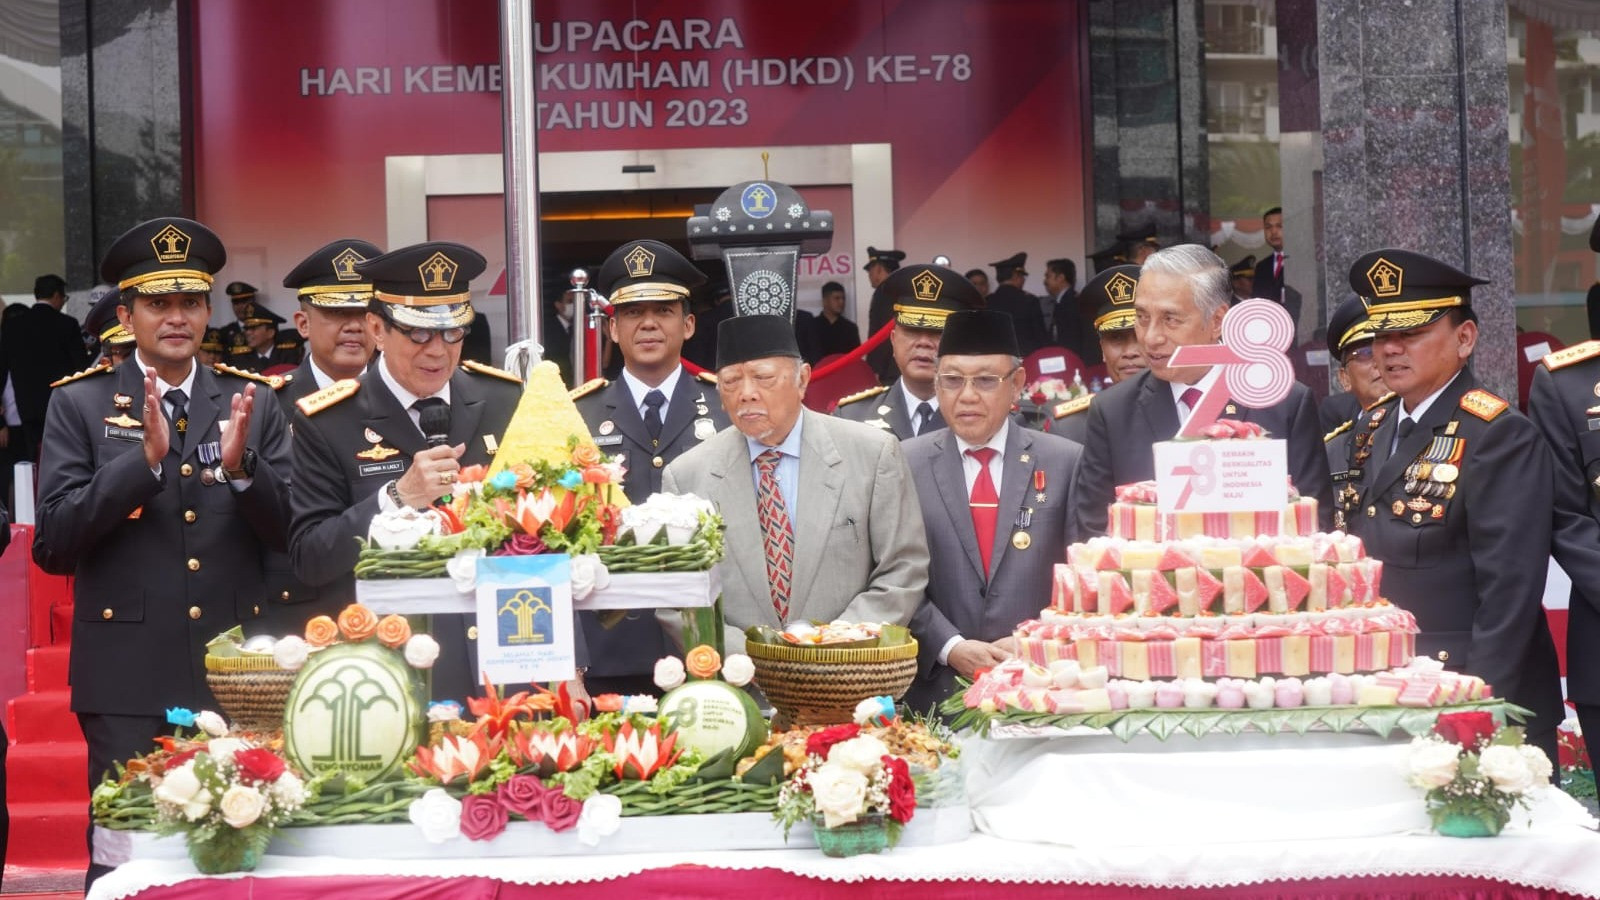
[(1277, 265), (1191, 398), (985, 504), (777, 532)]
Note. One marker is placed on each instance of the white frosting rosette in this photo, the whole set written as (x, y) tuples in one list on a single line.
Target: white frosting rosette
[(678, 514), (438, 815), (421, 651), (601, 817), (402, 529)]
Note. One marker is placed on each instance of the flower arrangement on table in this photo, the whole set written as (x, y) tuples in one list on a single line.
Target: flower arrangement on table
[(1577, 769), (857, 795), (1474, 772), (226, 794), (1055, 390)]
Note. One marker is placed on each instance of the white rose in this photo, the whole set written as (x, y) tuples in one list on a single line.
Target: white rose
[(421, 651), (1433, 763), (1506, 767), (438, 815), (222, 750), (182, 790), (288, 792), (210, 723), (291, 653), (1538, 763), (737, 669), (588, 575), (402, 529), (862, 754), (839, 792), (463, 569), (639, 703), (241, 806), (669, 672), (601, 817)]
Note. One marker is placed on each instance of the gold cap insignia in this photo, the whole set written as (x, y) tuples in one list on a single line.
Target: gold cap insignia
[(344, 265), (171, 245), (438, 272), (926, 287), (641, 262), (1119, 288), (1385, 278)]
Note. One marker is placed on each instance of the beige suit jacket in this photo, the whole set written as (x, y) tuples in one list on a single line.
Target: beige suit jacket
[(860, 551)]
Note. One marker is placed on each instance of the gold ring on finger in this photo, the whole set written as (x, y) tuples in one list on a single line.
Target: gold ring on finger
[(447, 478)]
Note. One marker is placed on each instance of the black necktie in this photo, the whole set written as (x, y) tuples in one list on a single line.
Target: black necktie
[(1402, 430), (924, 416), (652, 414), (180, 412), (433, 419)]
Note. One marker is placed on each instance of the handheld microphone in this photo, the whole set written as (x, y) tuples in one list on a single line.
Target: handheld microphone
[(434, 420)]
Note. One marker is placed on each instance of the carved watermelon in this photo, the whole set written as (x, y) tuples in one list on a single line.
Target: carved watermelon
[(714, 716), (354, 708)]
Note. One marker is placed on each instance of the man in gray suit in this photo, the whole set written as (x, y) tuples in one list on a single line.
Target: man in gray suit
[(822, 519), (995, 500), (922, 297), (1182, 296)]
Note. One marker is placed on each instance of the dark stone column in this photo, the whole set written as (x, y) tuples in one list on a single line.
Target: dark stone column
[(1415, 149), (1147, 98), (123, 103)]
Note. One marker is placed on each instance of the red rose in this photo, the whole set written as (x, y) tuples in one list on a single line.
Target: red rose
[(821, 742), (482, 817), (523, 795), (522, 545), (902, 790), (560, 811), (1470, 730), (258, 765)]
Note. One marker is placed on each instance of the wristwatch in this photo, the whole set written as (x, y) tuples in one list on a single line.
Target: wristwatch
[(393, 488), (247, 467)]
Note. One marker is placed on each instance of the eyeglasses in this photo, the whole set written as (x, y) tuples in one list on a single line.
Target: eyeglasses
[(986, 384), (423, 335), (1362, 353)]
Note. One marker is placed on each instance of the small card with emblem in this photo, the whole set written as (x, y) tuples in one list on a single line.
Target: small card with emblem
[(525, 619)]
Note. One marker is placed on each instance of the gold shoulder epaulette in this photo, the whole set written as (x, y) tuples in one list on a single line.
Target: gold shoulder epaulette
[(1338, 431), (862, 395), (273, 381), (474, 366), (707, 377), (340, 390), (288, 345), (1483, 404), (587, 388), (1073, 407), (101, 366), (1380, 401), (1575, 353)]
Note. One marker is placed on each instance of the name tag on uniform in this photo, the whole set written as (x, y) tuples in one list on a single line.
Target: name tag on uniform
[(391, 467), (608, 440), (118, 432)]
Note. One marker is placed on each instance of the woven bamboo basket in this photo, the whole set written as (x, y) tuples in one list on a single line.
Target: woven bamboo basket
[(251, 690), (821, 686)]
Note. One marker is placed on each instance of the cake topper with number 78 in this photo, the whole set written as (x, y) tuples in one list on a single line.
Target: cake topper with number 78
[(1255, 370)]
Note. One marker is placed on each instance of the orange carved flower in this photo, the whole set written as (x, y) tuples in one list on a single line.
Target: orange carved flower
[(702, 662), (394, 631), (586, 455), (525, 475), (597, 475), (357, 623), (321, 631)]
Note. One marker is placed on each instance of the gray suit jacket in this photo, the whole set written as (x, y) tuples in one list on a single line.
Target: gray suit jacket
[(960, 600), (860, 552)]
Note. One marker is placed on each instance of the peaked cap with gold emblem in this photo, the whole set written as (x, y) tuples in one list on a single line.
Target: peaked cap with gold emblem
[(1403, 290), (169, 255), (424, 285), (924, 295), (1113, 291), (1348, 326), (327, 279), (102, 321), (647, 271)]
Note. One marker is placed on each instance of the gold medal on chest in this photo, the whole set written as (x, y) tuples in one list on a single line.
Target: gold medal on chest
[(704, 429), (1021, 541), (122, 401)]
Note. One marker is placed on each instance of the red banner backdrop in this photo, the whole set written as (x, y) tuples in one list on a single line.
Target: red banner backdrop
[(297, 104)]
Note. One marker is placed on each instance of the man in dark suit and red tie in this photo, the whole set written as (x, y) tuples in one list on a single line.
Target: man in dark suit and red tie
[(1268, 282)]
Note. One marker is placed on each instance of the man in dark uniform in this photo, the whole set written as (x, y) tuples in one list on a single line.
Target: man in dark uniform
[(1360, 377), (160, 486), (1182, 296), (1114, 291), (1563, 404), (1010, 274), (333, 319), (923, 296), (880, 265), (399, 435), (1452, 487), (212, 349), (1244, 276), (262, 348), (650, 415), (242, 296), (1140, 243), (113, 341)]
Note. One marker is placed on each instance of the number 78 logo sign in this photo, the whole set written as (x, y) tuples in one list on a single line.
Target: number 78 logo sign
[(1255, 371)]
